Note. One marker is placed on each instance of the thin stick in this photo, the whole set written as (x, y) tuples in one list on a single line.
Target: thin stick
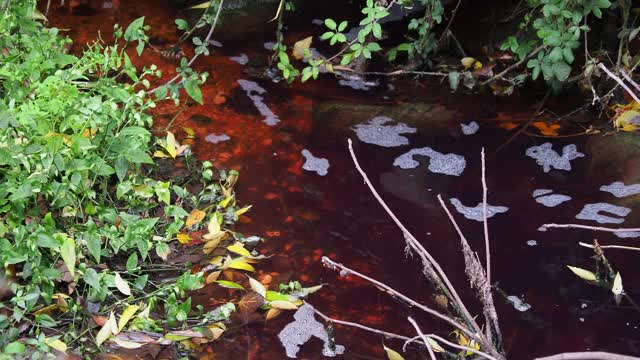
[(619, 81), (501, 74), (453, 345), (610, 247), (389, 290), (630, 80), (587, 227), (484, 219), (453, 15), (424, 338), (417, 244), (590, 355)]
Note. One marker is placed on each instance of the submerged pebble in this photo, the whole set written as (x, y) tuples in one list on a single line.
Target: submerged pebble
[(518, 303), (470, 128), (215, 138), (377, 133), (548, 199), (305, 326), (548, 158), (241, 59), (593, 212), (254, 92), (620, 190), (448, 164), (312, 163), (475, 213)]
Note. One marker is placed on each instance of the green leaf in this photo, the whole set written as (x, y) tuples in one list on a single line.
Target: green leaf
[(392, 354), (182, 24), (162, 191), (327, 35), (229, 284), (561, 70), (132, 262), (568, 55), (15, 348), (68, 254), (193, 90), (330, 23), (555, 55), (342, 26), (377, 31), (92, 278), (121, 165), (132, 30)]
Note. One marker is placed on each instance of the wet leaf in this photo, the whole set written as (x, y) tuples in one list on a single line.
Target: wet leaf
[(183, 238), (392, 354), (583, 274), (617, 285), (467, 62), (127, 315), (212, 244), (126, 344), (240, 264), (195, 217), (211, 278), (274, 295), (272, 313), (122, 285), (224, 203), (229, 284), (258, 287), (56, 344), (170, 145), (250, 302), (243, 210), (283, 305), (239, 249), (628, 120)]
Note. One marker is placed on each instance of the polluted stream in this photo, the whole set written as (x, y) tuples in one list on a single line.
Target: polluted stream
[(289, 143)]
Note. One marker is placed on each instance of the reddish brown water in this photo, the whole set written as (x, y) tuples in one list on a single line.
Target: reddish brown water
[(304, 216)]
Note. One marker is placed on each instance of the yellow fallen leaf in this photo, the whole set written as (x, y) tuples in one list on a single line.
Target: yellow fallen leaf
[(170, 145), (127, 315), (126, 344), (300, 46), (467, 62), (243, 210), (212, 244), (283, 305), (224, 203), (183, 238), (56, 344), (392, 354), (195, 216), (583, 274), (211, 278), (241, 265), (160, 154), (108, 329), (628, 120), (239, 249), (190, 132)]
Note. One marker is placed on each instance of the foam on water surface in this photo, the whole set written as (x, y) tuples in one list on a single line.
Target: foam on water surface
[(215, 43), (627, 234), (620, 190), (241, 59), (378, 133), (518, 303), (548, 199), (532, 242), (475, 213), (305, 327), (312, 163), (254, 92), (593, 212), (470, 128), (548, 158), (448, 164), (215, 138)]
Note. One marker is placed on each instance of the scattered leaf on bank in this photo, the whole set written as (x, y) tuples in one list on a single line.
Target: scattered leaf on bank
[(212, 277), (127, 315), (239, 249), (272, 313), (583, 274), (170, 145), (240, 264), (250, 302), (122, 285), (108, 329), (257, 287), (56, 344), (230, 284), (183, 238), (546, 129), (126, 344), (190, 132), (392, 354), (628, 120), (301, 46), (283, 305), (243, 210), (195, 217)]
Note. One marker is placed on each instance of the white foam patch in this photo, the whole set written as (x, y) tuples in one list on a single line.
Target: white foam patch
[(215, 43), (305, 326), (620, 190), (470, 128), (593, 212), (548, 158), (627, 234), (312, 163), (215, 138), (377, 133), (475, 213), (548, 199), (532, 242), (518, 303), (241, 59), (358, 84), (269, 45), (318, 22), (254, 92), (448, 164)]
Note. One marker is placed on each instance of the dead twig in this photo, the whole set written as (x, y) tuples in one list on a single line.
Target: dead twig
[(505, 71), (587, 227), (610, 247), (630, 80), (619, 81), (424, 338)]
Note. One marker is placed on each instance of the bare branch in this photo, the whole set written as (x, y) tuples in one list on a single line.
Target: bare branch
[(424, 338), (484, 220), (505, 71), (588, 355), (610, 247), (619, 81), (630, 80), (587, 227)]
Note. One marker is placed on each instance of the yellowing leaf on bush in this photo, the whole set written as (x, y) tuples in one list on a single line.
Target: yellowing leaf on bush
[(195, 216), (127, 315), (617, 285), (56, 344), (239, 249), (435, 345), (300, 46), (224, 203), (183, 238), (283, 305), (627, 120), (204, 5), (392, 354), (583, 274), (170, 145)]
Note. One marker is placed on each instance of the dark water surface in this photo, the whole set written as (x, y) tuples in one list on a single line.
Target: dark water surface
[(305, 216)]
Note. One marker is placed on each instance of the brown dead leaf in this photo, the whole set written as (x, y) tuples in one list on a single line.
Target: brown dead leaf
[(211, 278), (195, 217), (250, 303)]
